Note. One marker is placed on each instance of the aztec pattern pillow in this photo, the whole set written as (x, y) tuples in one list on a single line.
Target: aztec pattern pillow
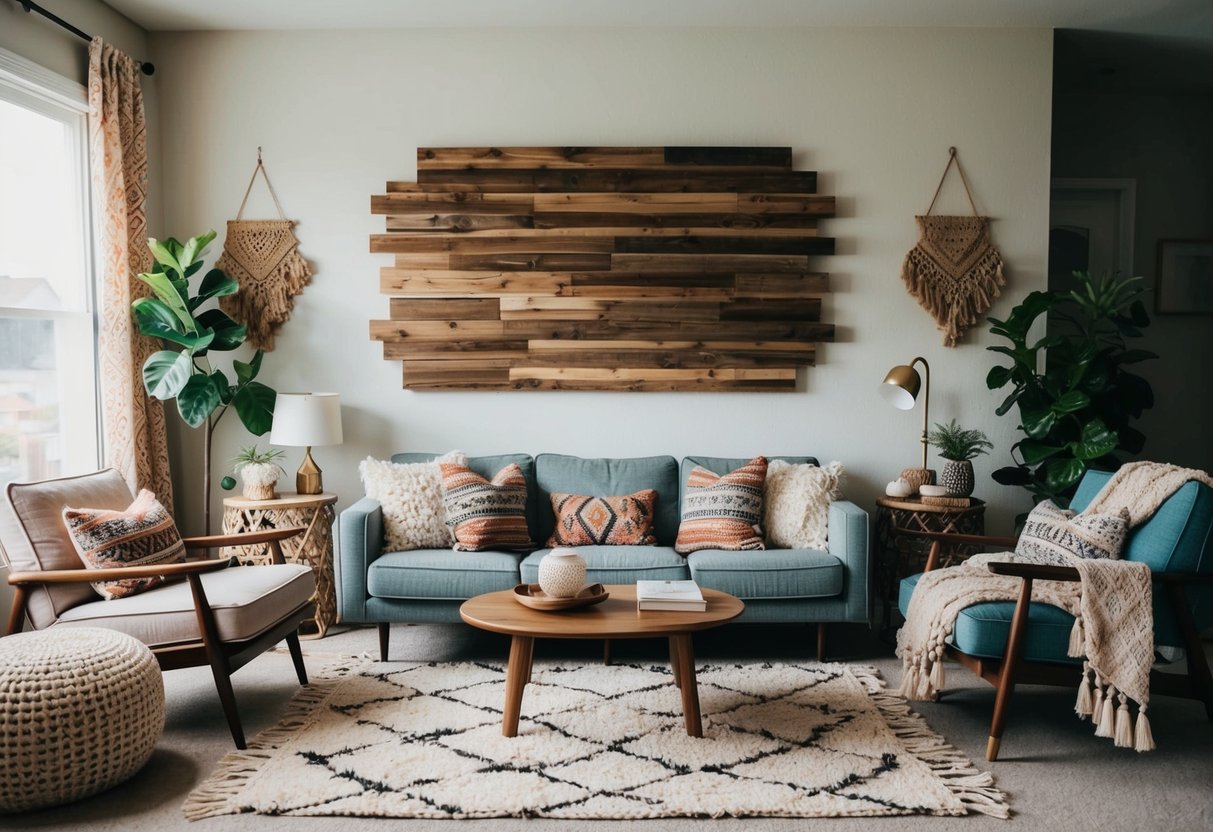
[(142, 534), (410, 495), (723, 512), (1053, 535), (796, 503), (604, 521), (486, 515)]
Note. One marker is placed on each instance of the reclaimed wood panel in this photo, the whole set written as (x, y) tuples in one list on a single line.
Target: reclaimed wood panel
[(603, 268)]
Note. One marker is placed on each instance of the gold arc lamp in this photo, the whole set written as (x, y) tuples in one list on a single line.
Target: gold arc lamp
[(302, 420), (901, 387)]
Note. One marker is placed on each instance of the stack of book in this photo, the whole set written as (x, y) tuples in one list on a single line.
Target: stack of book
[(669, 595)]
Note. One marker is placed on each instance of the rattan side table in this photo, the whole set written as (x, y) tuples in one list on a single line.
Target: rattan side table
[(313, 548)]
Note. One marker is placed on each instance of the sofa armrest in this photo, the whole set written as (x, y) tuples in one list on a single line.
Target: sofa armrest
[(361, 536), (848, 541)]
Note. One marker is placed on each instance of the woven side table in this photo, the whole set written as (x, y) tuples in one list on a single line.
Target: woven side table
[(81, 709), (313, 548)]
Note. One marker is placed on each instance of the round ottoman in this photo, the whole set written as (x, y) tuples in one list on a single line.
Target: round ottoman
[(81, 709)]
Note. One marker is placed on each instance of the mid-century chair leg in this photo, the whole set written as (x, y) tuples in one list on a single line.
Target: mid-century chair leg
[(220, 668), (292, 644), (1010, 663), (385, 631), (821, 641)]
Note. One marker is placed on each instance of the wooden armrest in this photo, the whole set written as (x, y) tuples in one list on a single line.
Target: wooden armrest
[(164, 570), (954, 537), (1038, 571), (241, 539)]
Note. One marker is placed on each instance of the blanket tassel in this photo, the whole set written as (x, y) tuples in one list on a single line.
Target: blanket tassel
[(1124, 724), (1078, 639), (1145, 737), (1084, 707), (1107, 718)]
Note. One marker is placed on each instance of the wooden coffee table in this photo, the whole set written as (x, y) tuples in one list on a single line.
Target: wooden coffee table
[(615, 617)]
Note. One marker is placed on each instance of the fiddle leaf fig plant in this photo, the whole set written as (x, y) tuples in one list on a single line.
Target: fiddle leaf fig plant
[(1076, 413), (182, 370)]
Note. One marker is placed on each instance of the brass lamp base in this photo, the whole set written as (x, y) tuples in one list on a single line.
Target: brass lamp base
[(308, 477)]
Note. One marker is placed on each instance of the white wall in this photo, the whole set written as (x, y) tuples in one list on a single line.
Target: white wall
[(873, 110)]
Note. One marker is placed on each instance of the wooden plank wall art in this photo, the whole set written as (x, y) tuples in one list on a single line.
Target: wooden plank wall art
[(609, 268)]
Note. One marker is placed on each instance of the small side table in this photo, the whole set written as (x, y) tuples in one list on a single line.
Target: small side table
[(899, 555), (313, 548)]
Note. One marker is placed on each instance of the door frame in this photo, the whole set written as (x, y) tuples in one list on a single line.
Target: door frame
[(1126, 191)]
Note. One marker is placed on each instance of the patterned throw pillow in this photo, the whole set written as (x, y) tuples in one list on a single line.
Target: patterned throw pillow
[(723, 512), (141, 535), (796, 503), (604, 521), (1052, 535), (486, 515), (410, 495)]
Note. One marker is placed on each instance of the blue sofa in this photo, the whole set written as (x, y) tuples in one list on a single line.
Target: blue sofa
[(428, 585)]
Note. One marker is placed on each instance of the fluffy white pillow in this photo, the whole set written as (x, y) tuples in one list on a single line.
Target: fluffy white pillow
[(797, 503), (411, 497)]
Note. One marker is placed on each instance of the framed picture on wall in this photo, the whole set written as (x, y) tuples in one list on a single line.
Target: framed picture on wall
[(1185, 278)]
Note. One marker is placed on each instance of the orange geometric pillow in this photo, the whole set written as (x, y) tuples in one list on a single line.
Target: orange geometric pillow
[(723, 512), (485, 515), (142, 534), (604, 521)]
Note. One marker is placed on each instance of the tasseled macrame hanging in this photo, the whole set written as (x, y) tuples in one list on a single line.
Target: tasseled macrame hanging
[(263, 256), (954, 271)]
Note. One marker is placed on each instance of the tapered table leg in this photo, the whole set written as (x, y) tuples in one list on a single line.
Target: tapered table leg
[(517, 674), (688, 685), (674, 661)]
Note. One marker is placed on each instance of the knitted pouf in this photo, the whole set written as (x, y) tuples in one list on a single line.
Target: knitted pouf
[(81, 709)]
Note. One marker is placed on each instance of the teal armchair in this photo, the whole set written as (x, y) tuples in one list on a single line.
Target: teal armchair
[(1008, 642)]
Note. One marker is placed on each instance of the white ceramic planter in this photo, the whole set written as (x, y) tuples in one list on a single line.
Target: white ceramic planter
[(562, 573), (259, 479)]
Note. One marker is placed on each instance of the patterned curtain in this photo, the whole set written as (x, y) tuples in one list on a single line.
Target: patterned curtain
[(136, 440)]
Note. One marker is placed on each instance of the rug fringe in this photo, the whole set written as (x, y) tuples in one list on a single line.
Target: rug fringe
[(213, 797), (974, 788)]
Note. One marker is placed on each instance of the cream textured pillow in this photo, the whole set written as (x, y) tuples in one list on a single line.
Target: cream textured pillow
[(797, 503), (411, 497)]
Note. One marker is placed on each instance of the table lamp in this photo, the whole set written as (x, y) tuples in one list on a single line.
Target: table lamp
[(901, 387), (304, 420)]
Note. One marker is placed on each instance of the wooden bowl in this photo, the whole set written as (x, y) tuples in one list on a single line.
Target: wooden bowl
[(530, 595)]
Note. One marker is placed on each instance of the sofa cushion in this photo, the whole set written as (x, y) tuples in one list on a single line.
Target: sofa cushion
[(557, 473), (796, 504), (247, 601), (441, 574), (625, 520), (410, 494), (723, 512), (619, 564), (1053, 535), (726, 465), (487, 466), (770, 574), (486, 515), (982, 629)]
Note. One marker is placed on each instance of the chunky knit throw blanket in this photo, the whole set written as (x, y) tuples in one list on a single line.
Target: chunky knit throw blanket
[(1112, 607)]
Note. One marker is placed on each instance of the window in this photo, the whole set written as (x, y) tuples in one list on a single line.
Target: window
[(49, 414)]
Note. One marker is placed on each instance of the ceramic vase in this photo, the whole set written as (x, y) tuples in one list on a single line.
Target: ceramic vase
[(957, 477), (259, 479), (917, 477), (562, 573)]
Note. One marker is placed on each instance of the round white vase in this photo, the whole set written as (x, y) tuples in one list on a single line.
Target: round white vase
[(562, 573)]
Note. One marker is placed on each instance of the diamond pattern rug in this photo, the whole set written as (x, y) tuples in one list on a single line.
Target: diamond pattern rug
[(423, 740)]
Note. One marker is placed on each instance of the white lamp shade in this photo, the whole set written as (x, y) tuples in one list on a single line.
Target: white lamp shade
[(306, 419)]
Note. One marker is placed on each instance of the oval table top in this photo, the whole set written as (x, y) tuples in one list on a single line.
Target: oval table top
[(616, 617)]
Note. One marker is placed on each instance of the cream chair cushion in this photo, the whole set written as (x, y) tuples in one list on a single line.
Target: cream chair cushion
[(247, 600)]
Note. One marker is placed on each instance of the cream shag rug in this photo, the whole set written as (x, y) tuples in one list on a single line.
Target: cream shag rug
[(422, 740)]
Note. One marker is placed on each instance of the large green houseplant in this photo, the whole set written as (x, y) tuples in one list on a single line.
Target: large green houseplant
[(1076, 414), (183, 370)]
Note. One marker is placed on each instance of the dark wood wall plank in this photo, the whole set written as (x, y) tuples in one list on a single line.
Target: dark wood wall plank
[(603, 268)]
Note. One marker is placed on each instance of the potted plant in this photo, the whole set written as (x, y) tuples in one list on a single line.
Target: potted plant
[(182, 370), (958, 446), (259, 471), (1076, 413)]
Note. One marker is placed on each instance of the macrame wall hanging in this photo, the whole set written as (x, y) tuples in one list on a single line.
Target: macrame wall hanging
[(263, 256), (954, 270)]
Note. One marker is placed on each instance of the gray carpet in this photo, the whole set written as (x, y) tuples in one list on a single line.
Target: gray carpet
[(1056, 773)]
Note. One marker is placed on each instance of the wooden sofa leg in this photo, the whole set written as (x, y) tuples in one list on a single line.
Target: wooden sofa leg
[(385, 631), (821, 641), (1010, 664), (292, 644), (606, 651)]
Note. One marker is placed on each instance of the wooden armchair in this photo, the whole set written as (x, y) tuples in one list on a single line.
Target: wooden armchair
[(208, 612), (1007, 643)]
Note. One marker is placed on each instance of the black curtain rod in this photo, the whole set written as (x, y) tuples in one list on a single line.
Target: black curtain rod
[(147, 68)]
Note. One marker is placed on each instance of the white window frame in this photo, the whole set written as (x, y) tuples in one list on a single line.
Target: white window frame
[(30, 85)]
